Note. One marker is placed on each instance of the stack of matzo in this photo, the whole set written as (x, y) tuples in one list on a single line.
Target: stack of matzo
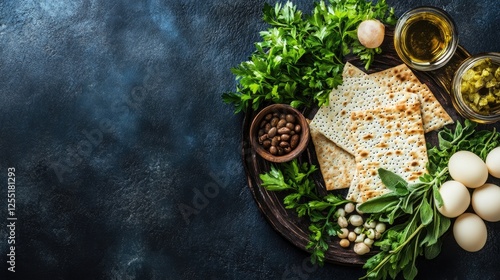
[(374, 121)]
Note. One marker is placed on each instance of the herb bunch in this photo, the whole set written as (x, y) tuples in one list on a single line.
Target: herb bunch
[(304, 198), (412, 208), (299, 60)]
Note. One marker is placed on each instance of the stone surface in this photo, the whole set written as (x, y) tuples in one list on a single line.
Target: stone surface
[(112, 118)]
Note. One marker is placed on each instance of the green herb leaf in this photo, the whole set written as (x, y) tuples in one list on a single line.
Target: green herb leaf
[(291, 200), (431, 252), (304, 197), (299, 58), (410, 272), (318, 205), (274, 180), (392, 181), (426, 213), (380, 203), (424, 226), (437, 196), (334, 199)]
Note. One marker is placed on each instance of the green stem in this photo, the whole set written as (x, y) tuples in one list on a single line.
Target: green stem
[(416, 232), (439, 175), (332, 210), (415, 249), (399, 248), (483, 150)]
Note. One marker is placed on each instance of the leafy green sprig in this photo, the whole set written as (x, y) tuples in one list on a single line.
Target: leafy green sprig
[(417, 231), (303, 196), (412, 208), (299, 60)]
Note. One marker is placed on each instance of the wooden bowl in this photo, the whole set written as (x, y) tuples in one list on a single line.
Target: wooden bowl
[(281, 109)]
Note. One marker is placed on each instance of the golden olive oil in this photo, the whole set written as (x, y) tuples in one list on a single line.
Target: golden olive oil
[(426, 38)]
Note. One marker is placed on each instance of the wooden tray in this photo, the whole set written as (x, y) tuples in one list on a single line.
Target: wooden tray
[(285, 221)]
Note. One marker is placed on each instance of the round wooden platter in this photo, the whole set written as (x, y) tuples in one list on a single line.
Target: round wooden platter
[(285, 221)]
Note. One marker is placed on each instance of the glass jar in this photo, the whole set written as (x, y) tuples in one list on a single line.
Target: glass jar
[(462, 104), (425, 38)]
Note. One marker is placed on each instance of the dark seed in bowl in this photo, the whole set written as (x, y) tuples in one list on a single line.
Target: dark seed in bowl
[(279, 133)]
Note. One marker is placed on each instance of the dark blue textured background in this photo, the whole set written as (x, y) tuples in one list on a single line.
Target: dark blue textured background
[(110, 112)]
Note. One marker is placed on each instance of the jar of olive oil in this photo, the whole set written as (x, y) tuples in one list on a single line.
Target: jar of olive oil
[(425, 38)]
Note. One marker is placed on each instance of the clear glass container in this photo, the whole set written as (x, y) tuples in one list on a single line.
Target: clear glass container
[(425, 38), (463, 106)]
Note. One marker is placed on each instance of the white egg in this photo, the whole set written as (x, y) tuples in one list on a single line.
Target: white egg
[(493, 162), (468, 168), (456, 199), (470, 232), (486, 202)]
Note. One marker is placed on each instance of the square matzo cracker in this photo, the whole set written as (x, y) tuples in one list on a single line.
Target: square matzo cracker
[(391, 138), (357, 92), (337, 166)]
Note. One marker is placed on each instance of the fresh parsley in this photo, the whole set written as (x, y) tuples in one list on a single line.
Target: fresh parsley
[(299, 60), (412, 208), (304, 198)]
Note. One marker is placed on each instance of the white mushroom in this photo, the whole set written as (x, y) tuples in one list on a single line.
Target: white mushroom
[(342, 233), (356, 220), (361, 248), (344, 243), (342, 221), (349, 207), (371, 33)]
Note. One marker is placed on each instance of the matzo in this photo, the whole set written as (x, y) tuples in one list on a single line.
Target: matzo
[(357, 92), (391, 138), (401, 79), (337, 166)]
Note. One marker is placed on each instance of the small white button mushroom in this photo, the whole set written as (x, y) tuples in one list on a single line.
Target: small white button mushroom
[(352, 236), (380, 227), (371, 33), (358, 230), (360, 238), (370, 224), (370, 233), (342, 222), (368, 241), (344, 243), (361, 248), (356, 220), (340, 212), (349, 207), (342, 233)]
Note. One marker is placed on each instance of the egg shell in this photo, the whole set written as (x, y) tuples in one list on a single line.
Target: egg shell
[(486, 202), (456, 199), (468, 169), (493, 162), (470, 232)]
